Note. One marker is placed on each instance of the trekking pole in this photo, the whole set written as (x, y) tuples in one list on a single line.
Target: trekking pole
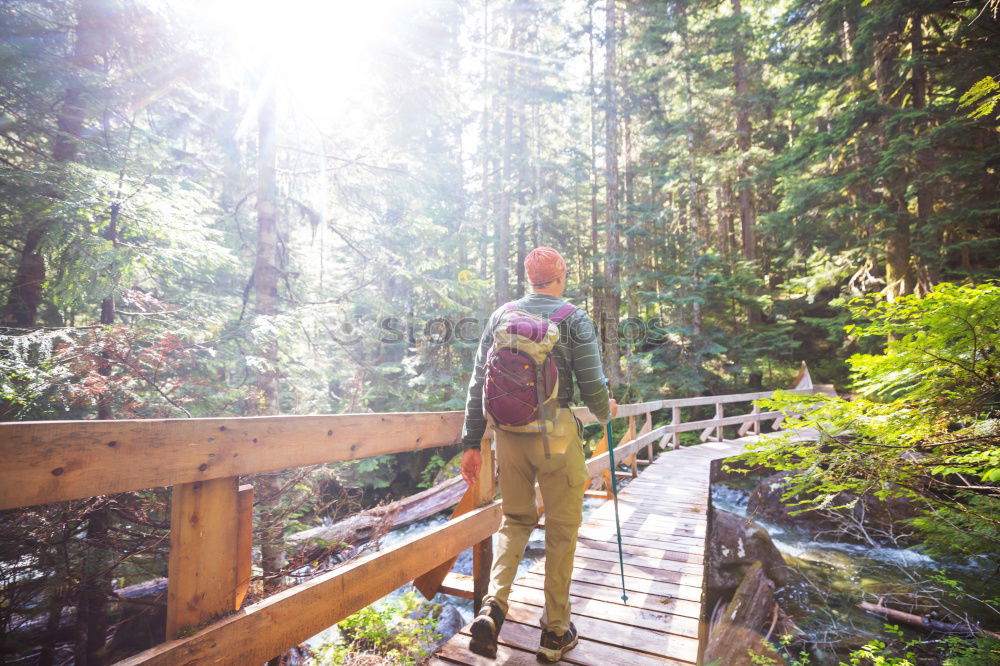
[(614, 495)]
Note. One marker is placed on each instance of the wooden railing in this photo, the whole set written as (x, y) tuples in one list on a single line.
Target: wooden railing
[(211, 514)]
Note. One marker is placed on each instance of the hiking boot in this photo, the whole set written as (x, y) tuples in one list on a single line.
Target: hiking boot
[(485, 629), (554, 647)]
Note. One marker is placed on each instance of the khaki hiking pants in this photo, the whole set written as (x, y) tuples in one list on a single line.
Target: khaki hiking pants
[(562, 479)]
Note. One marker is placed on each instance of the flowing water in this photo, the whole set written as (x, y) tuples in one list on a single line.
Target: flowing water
[(833, 577)]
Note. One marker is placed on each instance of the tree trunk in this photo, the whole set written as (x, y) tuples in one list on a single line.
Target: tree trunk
[(501, 274), (898, 272), (744, 131), (522, 220), (524, 25), (265, 279), (536, 180), (608, 324), (634, 253), (93, 38), (50, 633), (92, 620), (485, 143), (25, 296), (929, 234), (689, 226), (594, 267)]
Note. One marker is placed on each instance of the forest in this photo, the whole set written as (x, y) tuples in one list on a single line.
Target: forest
[(218, 208)]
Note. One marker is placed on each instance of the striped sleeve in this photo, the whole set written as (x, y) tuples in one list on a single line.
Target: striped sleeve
[(475, 422), (585, 354)]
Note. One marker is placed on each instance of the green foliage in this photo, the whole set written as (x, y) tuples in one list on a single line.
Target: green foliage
[(926, 424), (434, 465), (953, 651), (942, 354), (376, 472), (984, 96), (982, 651), (766, 658), (878, 653), (383, 629)]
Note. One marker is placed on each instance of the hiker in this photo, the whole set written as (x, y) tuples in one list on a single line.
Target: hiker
[(529, 353)]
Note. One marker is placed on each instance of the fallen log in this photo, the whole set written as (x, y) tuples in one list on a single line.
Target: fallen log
[(924, 622), (366, 525), (425, 503)]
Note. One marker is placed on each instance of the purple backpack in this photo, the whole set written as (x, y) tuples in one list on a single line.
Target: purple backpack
[(521, 380)]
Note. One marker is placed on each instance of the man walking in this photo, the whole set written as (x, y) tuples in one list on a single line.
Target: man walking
[(552, 455)]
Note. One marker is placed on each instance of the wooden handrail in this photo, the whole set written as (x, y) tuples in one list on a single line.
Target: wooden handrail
[(602, 462), (638, 408), (52, 461)]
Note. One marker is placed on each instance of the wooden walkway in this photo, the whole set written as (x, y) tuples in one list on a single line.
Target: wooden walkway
[(664, 522)]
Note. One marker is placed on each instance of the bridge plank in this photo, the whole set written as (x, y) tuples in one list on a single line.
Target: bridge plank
[(613, 610), (634, 639), (678, 529), (607, 536), (636, 598), (680, 587), (457, 654), (519, 641), (606, 530), (645, 550), (638, 560)]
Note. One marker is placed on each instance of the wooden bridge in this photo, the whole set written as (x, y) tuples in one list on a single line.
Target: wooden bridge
[(664, 513), (664, 519)]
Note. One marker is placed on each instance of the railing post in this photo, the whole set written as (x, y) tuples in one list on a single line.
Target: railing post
[(648, 426), (244, 543), (675, 420), (756, 420), (718, 415), (482, 552), (630, 435), (209, 562)]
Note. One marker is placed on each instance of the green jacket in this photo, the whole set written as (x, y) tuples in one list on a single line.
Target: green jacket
[(577, 354)]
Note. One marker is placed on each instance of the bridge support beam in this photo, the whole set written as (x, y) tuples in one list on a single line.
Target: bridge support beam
[(482, 552)]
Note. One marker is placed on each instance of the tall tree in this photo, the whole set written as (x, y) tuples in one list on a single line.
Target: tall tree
[(594, 266), (611, 296), (265, 281), (501, 258), (92, 40), (885, 54), (744, 139)]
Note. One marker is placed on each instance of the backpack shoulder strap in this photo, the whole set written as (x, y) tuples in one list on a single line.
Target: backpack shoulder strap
[(559, 315)]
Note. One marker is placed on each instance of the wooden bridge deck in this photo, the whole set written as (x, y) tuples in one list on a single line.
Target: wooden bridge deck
[(664, 522)]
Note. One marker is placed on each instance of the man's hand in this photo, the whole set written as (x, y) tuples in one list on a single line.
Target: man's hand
[(614, 407), (472, 460)]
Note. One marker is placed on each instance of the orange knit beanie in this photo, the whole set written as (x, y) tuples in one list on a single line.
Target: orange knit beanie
[(543, 265)]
